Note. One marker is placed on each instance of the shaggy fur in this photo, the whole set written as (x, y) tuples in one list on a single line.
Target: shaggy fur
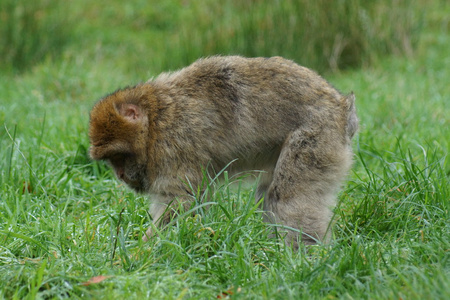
[(269, 114)]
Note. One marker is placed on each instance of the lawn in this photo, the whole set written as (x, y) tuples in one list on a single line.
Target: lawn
[(69, 229)]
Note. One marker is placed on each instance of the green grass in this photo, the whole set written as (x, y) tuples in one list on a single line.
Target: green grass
[(30, 31), (65, 219)]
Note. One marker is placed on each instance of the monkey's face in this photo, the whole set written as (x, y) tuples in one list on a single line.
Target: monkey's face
[(118, 132), (129, 170)]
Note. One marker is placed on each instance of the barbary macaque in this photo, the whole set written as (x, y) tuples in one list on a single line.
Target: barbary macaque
[(266, 114)]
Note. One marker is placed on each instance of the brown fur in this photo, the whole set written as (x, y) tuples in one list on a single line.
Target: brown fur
[(268, 113)]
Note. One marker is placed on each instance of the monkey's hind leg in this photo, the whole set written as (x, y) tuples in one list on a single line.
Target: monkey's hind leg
[(307, 176)]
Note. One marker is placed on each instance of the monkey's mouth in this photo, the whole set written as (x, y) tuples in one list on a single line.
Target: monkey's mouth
[(136, 185), (134, 182), (138, 189)]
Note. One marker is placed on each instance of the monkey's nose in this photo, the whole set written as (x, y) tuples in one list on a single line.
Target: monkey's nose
[(120, 174)]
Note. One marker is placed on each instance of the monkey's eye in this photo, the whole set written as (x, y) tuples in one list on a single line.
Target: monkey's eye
[(117, 159)]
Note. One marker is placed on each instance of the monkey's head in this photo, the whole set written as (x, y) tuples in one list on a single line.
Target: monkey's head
[(118, 132)]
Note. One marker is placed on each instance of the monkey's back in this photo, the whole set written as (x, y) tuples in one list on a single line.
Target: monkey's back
[(241, 106)]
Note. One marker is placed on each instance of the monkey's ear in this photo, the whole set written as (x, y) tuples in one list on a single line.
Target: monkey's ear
[(130, 111)]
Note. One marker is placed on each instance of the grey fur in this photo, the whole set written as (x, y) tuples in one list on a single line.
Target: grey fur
[(268, 113)]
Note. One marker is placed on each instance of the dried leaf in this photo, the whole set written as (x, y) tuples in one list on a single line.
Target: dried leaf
[(227, 294), (26, 186), (95, 279)]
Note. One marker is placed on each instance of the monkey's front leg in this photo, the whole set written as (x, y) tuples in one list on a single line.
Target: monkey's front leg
[(163, 209)]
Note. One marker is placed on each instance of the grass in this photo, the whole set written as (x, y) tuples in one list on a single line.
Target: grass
[(320, 34), (65, 221), (30, 31)]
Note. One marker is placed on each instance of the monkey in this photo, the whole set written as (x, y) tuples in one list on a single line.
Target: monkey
[(267, 114)]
